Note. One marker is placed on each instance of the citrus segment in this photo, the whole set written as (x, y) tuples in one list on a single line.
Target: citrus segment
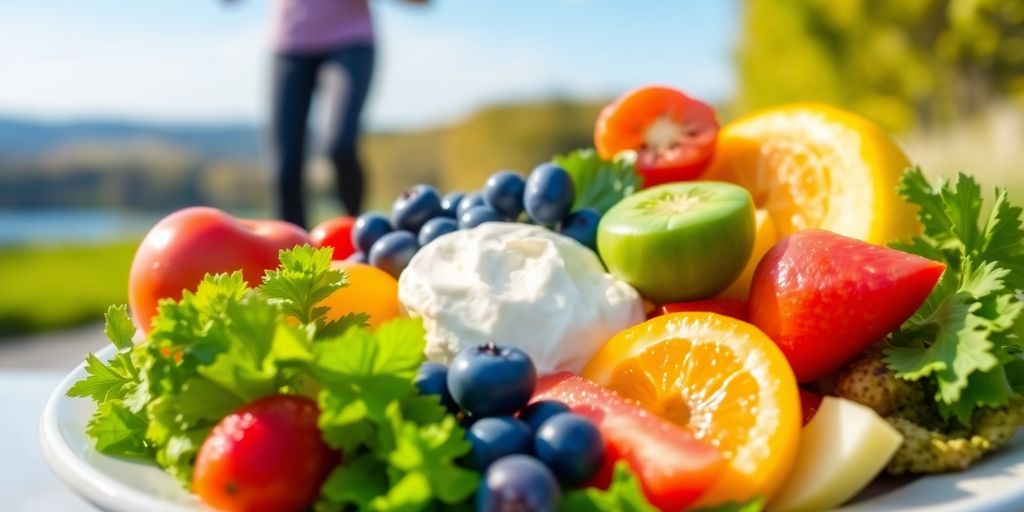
[(721, 378), (816, 166)]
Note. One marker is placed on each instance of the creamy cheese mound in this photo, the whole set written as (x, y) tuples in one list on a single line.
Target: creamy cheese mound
[(518, 285)]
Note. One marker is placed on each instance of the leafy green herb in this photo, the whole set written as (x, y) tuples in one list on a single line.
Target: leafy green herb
[(118, 425), (370, 410), (624, 495), (226, 344), (755, 504), (599, 183), (304, 279), (964, 337)]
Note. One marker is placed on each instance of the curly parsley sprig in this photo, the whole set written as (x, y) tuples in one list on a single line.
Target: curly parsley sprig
[(965, 340), (226, 344)]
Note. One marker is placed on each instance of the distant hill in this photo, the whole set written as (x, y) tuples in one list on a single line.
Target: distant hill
[(25, 139), (114, 164)]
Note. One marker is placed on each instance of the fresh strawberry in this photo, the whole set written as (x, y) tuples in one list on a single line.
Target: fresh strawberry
[(824, 298)]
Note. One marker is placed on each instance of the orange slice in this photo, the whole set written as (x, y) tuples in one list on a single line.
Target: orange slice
[(721, 378), (815, 166)]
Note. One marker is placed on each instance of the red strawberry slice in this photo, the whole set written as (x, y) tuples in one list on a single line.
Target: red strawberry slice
[(673, 466), (824, 298)]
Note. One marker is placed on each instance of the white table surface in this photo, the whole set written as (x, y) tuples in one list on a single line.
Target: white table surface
[(26, 482)]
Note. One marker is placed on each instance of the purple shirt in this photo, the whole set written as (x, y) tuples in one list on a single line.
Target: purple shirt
[(302, 26)]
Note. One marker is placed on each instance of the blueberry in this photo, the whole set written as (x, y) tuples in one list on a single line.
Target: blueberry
[(436, 227), (369, 227), (358, 257), (504, 193), (415, 206), (450, 203), (520, 483), (571, 446), (491, 380), (432, 379), (549, 194), (494, 438), (477, 215), (538, 412), (393, 252), (581, 226), (468, 201)]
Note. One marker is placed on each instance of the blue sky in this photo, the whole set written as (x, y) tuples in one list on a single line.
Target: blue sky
[(201, 61)]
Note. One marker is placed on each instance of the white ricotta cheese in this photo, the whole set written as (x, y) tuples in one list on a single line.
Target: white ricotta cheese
[(518, 285)]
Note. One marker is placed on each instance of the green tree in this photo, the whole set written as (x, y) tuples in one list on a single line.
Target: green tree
[(906, 63)]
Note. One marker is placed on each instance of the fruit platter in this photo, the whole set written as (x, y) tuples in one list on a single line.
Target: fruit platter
[(780, 313)]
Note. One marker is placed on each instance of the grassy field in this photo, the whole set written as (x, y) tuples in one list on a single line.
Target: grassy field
[(50, 287)]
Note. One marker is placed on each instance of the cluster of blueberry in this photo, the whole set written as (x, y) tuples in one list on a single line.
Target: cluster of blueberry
[(527, 452), (420, 214)]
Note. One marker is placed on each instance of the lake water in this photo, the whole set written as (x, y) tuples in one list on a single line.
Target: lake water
[(72, 226)]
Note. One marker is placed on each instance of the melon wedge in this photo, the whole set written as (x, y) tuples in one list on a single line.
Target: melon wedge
[(842, 448)]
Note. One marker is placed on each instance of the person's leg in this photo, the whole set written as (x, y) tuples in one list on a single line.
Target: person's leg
[(294, 80), (357, 64)]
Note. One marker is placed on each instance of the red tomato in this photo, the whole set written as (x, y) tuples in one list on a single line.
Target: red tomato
[(268, 455), (735, 308), (673, 134), (673, 467), (824, 298), (187, 244), (809, 404), (336, 233)]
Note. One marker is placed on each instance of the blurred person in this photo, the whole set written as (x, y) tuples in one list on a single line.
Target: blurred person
[(310, 36)]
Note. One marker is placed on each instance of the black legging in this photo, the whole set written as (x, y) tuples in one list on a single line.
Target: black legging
[(295, 79)]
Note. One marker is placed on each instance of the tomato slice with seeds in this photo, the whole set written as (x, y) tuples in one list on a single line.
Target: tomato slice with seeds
[(672, 134)]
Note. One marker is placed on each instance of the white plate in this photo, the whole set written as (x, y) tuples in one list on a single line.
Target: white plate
[(995, 485)]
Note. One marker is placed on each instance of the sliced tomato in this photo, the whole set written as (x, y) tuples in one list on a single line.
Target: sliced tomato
[(673, 134), (673, 466), (735, 308)]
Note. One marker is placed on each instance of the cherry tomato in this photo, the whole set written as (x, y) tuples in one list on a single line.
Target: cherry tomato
[(268, 455), (336, 233), (673, 134), (190, 243)]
